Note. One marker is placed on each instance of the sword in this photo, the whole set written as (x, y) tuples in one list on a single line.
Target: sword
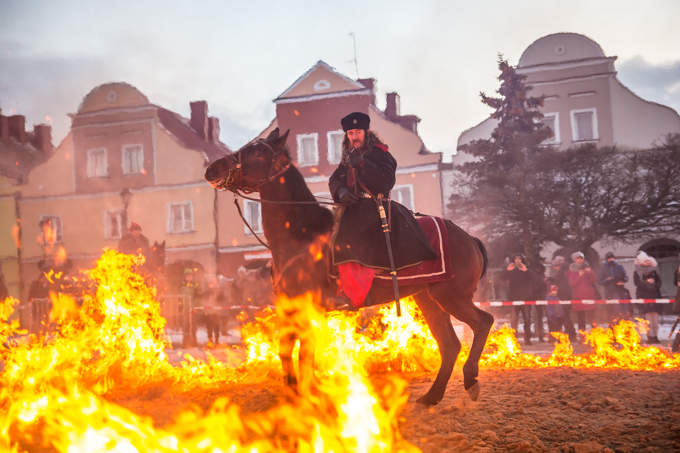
[(673, 328), (386, 230)]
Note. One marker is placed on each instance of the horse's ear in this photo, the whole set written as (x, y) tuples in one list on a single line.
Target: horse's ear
[(280, 141), (163, 244), (273, 135)]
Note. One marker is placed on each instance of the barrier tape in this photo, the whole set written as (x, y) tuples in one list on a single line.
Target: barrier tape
[(574, 302)]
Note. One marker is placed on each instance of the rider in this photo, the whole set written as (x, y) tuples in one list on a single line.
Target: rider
[(134, 242), (359, 248)]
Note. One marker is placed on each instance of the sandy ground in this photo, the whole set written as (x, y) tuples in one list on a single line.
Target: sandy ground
[(520, 410)]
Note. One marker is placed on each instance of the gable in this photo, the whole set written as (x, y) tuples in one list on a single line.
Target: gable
[(320, 80)]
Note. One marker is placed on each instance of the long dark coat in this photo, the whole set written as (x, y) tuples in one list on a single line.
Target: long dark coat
[(360, 237)]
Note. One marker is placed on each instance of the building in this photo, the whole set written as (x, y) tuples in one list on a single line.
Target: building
[(586, 103), (312, 108), (20, 152), (124, 159)]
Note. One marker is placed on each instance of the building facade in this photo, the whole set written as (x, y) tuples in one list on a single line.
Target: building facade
[(124, 160), (586, 103)]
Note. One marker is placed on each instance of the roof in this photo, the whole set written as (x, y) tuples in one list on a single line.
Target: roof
[(180, 129), (560, 47), (322, 79), (17, 159)]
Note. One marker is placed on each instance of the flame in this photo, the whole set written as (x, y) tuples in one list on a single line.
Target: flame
[(48, 119), (55, 389)]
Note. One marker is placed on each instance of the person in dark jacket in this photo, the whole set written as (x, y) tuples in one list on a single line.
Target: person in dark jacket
[(676, 308), (559, 275), (367, 173), (134, 242), (520, 287), (540, 291), (612, 278), (648, 286)]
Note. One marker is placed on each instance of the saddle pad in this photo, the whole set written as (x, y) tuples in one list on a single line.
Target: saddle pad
[(427, 271)]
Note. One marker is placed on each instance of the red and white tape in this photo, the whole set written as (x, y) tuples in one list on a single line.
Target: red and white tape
[(574, 302)]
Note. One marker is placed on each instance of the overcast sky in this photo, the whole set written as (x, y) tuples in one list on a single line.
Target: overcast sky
[(240, 55)]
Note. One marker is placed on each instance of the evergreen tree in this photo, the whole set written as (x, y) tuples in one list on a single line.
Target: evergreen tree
[(498, 188)]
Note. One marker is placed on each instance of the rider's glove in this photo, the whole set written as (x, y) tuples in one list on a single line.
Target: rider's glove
[(346, 196), (355, 160)]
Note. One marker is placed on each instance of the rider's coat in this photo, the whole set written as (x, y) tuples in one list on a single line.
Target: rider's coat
[(359, 237)]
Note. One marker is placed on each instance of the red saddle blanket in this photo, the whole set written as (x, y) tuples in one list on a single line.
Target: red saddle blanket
[(427, 271)]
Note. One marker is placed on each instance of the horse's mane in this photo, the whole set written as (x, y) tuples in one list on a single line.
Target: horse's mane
[(306, 220)]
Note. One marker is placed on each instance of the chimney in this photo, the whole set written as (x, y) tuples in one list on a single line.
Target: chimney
[(43, 138), (372, 86), (213, 129), (199, 118), (392, 108), (4, 128), (17, 127)]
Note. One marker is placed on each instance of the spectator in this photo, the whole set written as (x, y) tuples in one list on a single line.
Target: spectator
[(134, 242), (192, 292), (612, 278), (238, 287), (582, 281), (213, 302), (648, 286), (676, 307), (38, 296), (519, 288), (555, 313), (539, 290), (559, 275)]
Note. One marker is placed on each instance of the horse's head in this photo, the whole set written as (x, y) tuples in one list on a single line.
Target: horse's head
[(156, 258), (259, 162)]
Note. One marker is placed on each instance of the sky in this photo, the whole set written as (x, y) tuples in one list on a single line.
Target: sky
[(240, 55)]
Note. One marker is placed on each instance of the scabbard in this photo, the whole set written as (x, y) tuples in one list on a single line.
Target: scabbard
[(393, 271)]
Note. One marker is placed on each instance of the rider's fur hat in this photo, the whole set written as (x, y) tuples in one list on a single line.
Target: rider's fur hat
[(355, 120)]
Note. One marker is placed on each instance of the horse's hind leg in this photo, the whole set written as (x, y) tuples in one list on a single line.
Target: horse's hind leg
[(480, 322), (286, 345), (447, 341)]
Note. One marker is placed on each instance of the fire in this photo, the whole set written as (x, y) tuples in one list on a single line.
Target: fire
[(54, 390)]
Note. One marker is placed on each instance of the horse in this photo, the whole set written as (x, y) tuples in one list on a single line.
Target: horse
[(298, 228)]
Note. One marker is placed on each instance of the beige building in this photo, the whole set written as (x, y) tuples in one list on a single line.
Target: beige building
[(586, 103), (123, 159), (312, 108)]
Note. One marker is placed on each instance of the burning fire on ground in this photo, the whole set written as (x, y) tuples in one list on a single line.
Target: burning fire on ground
[(53, 390)]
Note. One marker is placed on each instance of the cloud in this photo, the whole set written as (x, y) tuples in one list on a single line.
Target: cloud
[(38, 86), (654, 82)]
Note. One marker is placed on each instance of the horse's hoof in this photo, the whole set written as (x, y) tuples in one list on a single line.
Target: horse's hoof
[(427, 400), (474, 391)]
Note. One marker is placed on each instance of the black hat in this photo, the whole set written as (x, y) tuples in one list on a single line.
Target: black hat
[(355, 120), (609, 255)]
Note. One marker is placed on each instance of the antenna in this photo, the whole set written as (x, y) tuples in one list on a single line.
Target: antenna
[(356, 67)]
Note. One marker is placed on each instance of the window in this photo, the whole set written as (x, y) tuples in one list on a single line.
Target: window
[(113, 224), (404, 195), (552, 120), (97, 165), (253, 214), (308, 149), (335, 139), (133, 159), (584, 125), (180, 217), (51, 228)]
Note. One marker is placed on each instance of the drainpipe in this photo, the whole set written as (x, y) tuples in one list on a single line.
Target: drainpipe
[(17, 215)]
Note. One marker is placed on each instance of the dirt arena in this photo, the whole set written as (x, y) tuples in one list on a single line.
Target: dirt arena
[(526, 410)]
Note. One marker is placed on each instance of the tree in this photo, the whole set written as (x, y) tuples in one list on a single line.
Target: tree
[(521, 193), (499, 186)]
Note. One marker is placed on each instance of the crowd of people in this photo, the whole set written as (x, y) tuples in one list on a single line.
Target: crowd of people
[(578, 281)]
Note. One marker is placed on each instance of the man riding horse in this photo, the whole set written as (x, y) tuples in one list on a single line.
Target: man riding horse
[(366, 174)]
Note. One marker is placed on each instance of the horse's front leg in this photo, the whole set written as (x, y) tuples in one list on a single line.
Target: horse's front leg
[(286, 346)]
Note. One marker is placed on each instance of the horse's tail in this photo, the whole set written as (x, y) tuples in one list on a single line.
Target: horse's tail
[(482, 249)]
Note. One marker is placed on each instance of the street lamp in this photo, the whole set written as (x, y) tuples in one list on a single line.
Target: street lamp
[(126, 195)]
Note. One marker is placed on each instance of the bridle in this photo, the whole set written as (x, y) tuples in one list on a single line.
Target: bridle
[(235, 178)]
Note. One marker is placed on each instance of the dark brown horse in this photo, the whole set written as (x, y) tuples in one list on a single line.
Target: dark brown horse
[(297, 229)]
